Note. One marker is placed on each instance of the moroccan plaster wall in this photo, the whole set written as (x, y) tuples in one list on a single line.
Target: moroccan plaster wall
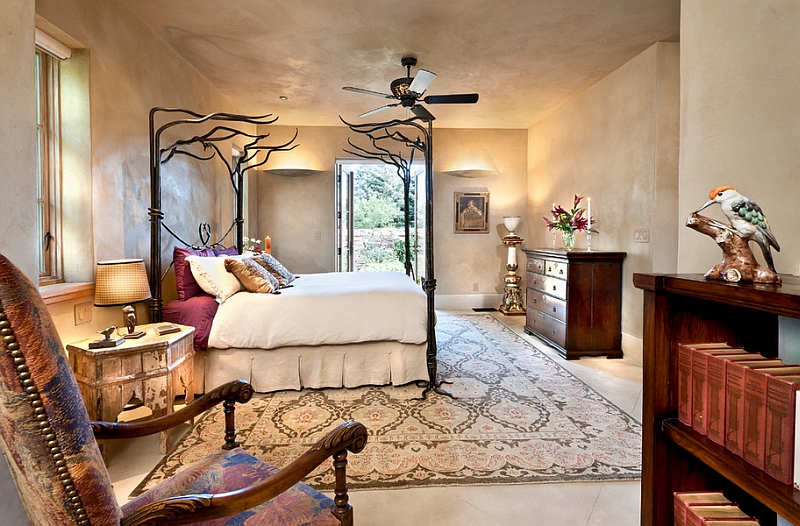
[(17, 134), (293, 210), (615, 143), (740, 118), (130, 70)]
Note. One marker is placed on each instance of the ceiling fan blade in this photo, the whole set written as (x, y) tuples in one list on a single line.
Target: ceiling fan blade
[(421, 81), (464, 98), (368, 92), (422, 113), (376, 110)]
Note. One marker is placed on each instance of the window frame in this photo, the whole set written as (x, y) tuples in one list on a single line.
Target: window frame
[(48, 168)]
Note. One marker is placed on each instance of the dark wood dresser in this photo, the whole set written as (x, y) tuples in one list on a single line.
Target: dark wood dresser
[(575, 300)]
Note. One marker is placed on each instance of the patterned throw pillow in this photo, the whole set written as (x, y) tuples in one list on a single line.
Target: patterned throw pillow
[(253, 276), (275, 268)]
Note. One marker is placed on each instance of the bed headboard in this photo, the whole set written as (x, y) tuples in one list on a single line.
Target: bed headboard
[(203, 136)]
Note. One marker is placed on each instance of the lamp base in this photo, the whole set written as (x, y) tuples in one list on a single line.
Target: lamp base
[(103, 344), (133, 335)]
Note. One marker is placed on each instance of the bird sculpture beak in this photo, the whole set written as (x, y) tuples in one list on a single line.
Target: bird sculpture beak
[(708, 203)]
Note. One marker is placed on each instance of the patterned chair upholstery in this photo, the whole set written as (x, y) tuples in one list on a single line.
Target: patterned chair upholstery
[(51, 449)]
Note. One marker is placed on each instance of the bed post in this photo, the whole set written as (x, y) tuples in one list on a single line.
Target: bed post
[(155, 225), (429, 281)]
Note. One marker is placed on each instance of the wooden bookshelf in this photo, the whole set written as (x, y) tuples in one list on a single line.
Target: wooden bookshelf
[(687, 308)]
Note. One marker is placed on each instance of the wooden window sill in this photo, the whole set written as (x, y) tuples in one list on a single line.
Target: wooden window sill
[(61, 292)]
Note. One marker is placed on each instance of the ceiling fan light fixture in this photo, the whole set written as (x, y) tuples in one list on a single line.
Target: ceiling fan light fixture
[(400, 87)]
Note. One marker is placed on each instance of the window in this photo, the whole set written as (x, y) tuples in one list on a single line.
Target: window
[(48, 162)]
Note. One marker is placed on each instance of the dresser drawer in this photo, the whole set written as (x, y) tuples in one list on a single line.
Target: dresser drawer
[(536, 281), (555, 287), (548, 304), (556, 268), (550, 328), (535, 265)]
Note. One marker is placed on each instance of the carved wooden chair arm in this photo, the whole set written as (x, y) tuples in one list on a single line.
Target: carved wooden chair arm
[(236, 391), (349, 436)]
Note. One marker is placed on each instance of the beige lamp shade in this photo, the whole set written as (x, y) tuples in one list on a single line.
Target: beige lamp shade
[(120, 282)]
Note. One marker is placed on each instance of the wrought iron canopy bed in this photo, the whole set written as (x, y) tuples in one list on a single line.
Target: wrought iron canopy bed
[(291, 365)]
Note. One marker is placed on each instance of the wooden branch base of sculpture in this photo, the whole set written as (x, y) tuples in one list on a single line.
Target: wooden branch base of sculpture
[(738, 262)]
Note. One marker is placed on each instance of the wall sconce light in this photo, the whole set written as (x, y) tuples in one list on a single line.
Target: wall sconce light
[(472, 173), (122, 282), (512, 295), (293, 172)]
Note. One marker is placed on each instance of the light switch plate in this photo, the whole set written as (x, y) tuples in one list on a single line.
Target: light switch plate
[(641, 235), (83, 313)]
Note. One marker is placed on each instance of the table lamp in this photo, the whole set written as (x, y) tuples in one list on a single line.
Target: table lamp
[(122, 282)]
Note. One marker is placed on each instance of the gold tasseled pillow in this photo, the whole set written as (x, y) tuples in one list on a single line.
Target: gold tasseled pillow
[(253, 276)]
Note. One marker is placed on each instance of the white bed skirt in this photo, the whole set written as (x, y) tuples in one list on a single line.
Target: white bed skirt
[(351, 365)]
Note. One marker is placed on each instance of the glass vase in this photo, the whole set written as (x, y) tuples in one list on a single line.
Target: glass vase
[(568, 238)]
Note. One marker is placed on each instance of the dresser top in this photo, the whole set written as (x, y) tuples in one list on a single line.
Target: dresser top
[(573, 254)]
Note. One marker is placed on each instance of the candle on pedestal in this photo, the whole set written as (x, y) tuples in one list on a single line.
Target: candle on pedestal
[(589, 210)]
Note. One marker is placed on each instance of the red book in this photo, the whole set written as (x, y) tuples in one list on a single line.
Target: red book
[(700, 390), (685, 377), (699, 515), (755, 410), (731, 522), (734, 402), (779, 441), (715, 412), (684, 499)]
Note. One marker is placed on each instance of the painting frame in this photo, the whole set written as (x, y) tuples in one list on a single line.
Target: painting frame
[(471, 212)]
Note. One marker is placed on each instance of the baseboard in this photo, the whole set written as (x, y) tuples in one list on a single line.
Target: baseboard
[(632, 348), (468, 301)]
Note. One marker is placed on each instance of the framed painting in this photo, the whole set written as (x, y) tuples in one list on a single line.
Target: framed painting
[(471, 212)]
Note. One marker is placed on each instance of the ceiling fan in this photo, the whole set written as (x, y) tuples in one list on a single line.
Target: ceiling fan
[(408, 91)]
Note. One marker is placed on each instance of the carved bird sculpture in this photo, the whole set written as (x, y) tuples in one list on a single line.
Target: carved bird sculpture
[(746, 218)]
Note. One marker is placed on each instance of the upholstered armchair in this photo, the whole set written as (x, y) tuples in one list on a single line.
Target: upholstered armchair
[(51, 449)]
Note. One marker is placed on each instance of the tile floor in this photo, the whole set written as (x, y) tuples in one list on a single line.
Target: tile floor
[(591, 504)]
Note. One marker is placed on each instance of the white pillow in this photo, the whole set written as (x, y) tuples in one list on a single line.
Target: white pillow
[(210, 274)]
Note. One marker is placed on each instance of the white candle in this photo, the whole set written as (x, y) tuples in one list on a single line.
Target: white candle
[(589, 210)]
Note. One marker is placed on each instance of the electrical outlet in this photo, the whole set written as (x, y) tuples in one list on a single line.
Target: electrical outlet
[(641, 235), (317, 235), (475, 287), (83, 313)]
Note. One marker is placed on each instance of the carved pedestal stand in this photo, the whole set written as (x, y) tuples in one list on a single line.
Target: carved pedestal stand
[(512, 295)]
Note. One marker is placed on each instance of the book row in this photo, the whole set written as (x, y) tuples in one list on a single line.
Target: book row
[(741, 400), (712, 508)]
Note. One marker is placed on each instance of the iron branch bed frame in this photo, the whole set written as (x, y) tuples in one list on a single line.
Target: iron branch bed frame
[(224, 130)]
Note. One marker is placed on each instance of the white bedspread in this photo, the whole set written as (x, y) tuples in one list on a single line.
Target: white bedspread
[(329, 308)]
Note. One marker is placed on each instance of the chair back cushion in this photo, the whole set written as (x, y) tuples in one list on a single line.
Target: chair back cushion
[(44, 427)]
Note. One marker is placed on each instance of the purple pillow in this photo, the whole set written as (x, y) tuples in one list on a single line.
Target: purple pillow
[(184, 281), (230, 251), (197, 312)]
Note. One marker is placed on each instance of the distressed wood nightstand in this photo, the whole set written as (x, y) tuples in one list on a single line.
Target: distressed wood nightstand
[(154, 369)]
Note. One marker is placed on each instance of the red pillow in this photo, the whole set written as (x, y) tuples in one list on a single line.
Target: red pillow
[(184, 281)]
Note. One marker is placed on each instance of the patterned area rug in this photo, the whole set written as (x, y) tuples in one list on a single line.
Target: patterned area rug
[(518, 417)]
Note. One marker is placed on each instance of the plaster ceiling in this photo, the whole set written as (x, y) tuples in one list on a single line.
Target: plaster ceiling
[(524, 57)]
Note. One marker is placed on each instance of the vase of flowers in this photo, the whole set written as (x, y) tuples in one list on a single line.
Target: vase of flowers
[(251, 244), (569, 221)]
